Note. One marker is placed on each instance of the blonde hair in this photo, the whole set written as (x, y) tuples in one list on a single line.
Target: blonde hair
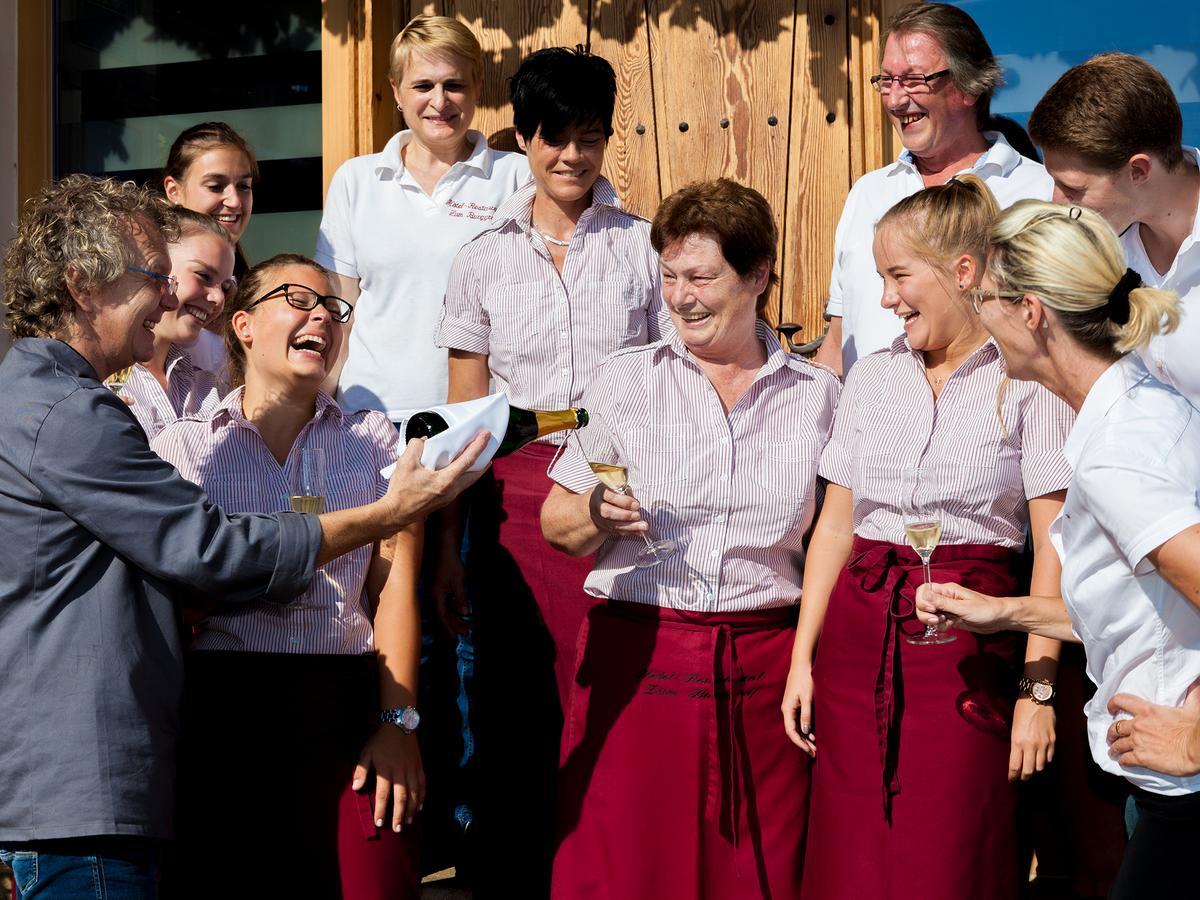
[(945, 221), (1071, 260), (435, 34)]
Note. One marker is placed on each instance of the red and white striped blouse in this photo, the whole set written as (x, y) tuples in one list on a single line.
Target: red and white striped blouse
[(545, 333), (736, 493), (226, 455), (191, 391), (984, 473)]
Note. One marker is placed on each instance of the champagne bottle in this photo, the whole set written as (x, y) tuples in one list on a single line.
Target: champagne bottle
[(524, 425)]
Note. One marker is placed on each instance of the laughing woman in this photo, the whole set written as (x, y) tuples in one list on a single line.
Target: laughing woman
[(283, 734), (915, 743), (169, 384)]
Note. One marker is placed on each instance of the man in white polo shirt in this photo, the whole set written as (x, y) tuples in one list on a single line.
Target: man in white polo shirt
[(936, 81), (1112, 133)]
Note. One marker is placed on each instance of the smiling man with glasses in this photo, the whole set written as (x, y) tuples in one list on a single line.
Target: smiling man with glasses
[(935, 79)]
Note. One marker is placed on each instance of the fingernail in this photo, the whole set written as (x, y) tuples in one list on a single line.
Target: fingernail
[(379, 823), (396, 827)]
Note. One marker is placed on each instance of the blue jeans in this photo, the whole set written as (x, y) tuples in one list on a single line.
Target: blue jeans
[(79, 869)]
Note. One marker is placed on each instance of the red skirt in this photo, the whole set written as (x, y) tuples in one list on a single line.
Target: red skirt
[(677, 780), (910, 791)]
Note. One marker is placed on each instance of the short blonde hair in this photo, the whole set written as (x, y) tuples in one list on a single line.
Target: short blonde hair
[(1072, 261), (435, 34)]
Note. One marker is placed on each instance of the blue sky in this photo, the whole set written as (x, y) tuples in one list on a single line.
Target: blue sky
[(1039, 39)]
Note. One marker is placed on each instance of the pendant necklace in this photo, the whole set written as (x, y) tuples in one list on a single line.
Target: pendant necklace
[(548, 238)]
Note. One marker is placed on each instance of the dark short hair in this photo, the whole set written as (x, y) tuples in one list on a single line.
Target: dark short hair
[(82, 224), (973, 66), (200, 138), (557, 89), (1107, 109), (737, 217)]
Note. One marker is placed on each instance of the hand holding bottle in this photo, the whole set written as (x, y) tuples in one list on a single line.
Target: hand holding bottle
[(415, 491)]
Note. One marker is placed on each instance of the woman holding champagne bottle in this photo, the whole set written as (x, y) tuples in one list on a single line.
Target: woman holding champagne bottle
[(284, 747), (562, 278), (676, 781), (935, 458)]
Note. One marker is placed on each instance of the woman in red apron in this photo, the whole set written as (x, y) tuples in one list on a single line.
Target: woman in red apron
[(916, 745), (675, 779)]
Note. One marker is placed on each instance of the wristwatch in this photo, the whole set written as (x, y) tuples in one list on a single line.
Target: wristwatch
[(1040, 690), (406, 718)]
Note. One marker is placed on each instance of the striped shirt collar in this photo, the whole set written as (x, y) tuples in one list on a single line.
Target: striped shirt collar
[(518, 209), (230, 409), (392, 165), (776, 357), (999, 156)]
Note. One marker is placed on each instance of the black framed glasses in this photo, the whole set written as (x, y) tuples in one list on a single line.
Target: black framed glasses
[(307, 299), (980, 295), (913, 83), (166, 284)]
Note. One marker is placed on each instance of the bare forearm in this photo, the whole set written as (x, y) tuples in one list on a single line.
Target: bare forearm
[(397, 624), (567, 523), (830, 351), (1042, 616), (349, 529), (828, 552)]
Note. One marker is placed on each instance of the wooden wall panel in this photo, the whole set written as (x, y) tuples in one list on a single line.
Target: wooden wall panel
[(509, 31), (34, 107), (722, 93), (818, 161), (619, 34)]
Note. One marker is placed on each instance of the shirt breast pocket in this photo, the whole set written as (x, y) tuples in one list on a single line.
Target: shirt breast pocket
[(517, 314), (661, 454)]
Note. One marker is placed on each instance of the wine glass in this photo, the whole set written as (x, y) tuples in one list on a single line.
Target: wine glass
[(923, 529), (616, 478), (308, 481), (117, 380)]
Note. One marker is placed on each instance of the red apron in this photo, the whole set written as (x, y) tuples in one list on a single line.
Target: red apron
[(910, 792), (669, 787), (528, 607)]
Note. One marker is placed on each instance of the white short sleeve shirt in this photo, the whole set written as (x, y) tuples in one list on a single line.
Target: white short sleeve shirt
[(855, 288), (1135, 452), (380, 227), (1172, 358)]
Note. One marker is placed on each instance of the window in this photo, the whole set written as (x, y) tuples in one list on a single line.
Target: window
[(131, 74)]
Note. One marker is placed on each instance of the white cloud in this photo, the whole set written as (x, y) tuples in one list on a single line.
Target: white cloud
[(1028, 78), (1178, 65)]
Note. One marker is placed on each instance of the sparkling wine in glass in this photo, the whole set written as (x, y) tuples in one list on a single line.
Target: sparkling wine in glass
[(923, 530), (308, 481), (615, 478)]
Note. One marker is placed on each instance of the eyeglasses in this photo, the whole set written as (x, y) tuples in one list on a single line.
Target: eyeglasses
[(979, 295), (913, 83), (300, 297), (167, 284)]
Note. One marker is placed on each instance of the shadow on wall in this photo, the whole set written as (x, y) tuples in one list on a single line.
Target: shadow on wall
[(751, 22)]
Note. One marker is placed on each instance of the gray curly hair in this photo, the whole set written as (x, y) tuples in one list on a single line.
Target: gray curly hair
[(81, 223)]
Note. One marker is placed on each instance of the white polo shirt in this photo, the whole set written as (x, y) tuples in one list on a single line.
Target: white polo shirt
[(1174, 358), (380, 227), (1135, 452), (855, 288)]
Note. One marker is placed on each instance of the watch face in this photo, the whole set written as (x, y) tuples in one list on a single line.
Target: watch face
[(1042, 692), (410, 718)]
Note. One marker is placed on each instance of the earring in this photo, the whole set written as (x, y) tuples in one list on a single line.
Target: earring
[(962, 287), (1045, 323), (399, 108)]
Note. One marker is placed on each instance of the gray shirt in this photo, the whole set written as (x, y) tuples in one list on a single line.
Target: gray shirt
[(99, 541)]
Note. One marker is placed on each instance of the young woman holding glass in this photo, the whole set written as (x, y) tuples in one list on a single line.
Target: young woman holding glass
[(917, 742), (285, 749), (169, 384), (1068, 315)]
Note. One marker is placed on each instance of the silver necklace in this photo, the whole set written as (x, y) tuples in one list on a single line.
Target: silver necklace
[(549, 239)]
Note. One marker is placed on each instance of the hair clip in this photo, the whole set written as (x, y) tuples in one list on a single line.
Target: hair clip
[(1075, 212)]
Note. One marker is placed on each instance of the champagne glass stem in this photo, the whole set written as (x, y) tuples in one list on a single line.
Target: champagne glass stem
[(645, 537), (930, 630)]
